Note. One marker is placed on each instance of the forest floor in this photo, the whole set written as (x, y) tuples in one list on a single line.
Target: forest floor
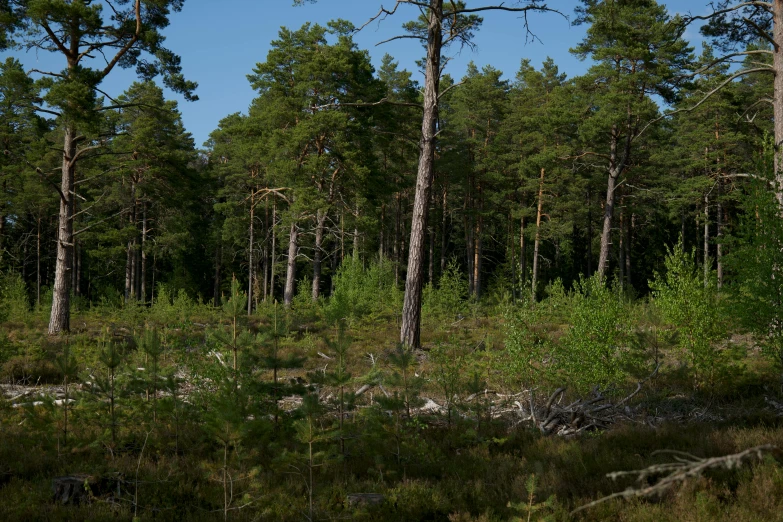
[(482, 455)]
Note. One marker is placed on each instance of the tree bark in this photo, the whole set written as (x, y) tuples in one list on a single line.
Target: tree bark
[(216, 287), (622, 249), (777, 105), (478, 245), (589, 233), (606, 231), (250, 261), (628, 239), (443, 235), (706, 240), (290, 276), (144, 232), (536, 243), (38, 263), (59, 321), (273, 254), (265, 264), (320, 220), (410, 332), (522, 250), (719, 237)]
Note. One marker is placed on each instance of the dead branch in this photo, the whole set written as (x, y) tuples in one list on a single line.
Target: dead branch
[(684, 467), (595, 412)]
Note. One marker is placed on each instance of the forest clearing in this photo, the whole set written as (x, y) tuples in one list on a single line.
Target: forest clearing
[(380, 294)]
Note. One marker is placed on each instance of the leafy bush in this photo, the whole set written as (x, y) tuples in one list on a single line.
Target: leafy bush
[(591, 352), (693, 308), (594, 351)]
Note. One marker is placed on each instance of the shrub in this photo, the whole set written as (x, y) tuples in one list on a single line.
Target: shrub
[(360, 292), (450, 297), (693, 308), (14, 303), (592, 352)]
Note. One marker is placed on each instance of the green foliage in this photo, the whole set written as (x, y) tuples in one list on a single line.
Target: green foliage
[(694, 308), (530, 508), (594, 351), (362, 292), (449, 299), (14, 301)]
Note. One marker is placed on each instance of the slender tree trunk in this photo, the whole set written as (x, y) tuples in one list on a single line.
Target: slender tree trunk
[(777, 105), (216, 287), (606, 231), (628, 239), (522, 250), (129, 254), (356, 235), (537, 241), (443, 235), (2, 226), (59, 320), (273, 253), (397, 240), (707, 262), (719, 237), (38, 263), (265, 263), (144, 232), (320, 221), (75, 265), (589, 233), (381, 238), (250, 261), (410, 332), (622, 249), (290, 276), (478, 245)]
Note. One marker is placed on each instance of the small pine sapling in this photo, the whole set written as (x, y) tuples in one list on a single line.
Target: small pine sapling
[(104, 388), (269, 357), (66, 364), (152, 347), (339, 378)]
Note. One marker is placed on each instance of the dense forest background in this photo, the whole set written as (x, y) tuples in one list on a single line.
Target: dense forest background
[(283, 194), (469, 299)]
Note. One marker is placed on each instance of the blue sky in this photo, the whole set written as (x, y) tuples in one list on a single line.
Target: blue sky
[(220, 43)]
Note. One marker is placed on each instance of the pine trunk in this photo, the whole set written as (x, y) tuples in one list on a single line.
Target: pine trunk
[(719, 238), (536, 243), (216, 287), (777, 64), (320, 221), (273, 254), (410, 332), (443, 237), (250, 261), (38, 264), (59, 321), (628, 239), (290, 276), (606, 231)]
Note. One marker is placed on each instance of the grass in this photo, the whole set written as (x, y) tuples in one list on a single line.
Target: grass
[(426, 469)]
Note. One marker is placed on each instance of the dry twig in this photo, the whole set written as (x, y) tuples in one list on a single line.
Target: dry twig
[(684, 467)]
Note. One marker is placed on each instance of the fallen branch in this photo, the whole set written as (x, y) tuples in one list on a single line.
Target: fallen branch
[(595, 412), (684, 467)]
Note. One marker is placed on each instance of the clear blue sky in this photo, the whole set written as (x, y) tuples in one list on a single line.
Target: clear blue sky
[(220, 43)]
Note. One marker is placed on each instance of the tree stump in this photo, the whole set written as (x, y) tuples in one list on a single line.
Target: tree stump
[(72, 490)]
